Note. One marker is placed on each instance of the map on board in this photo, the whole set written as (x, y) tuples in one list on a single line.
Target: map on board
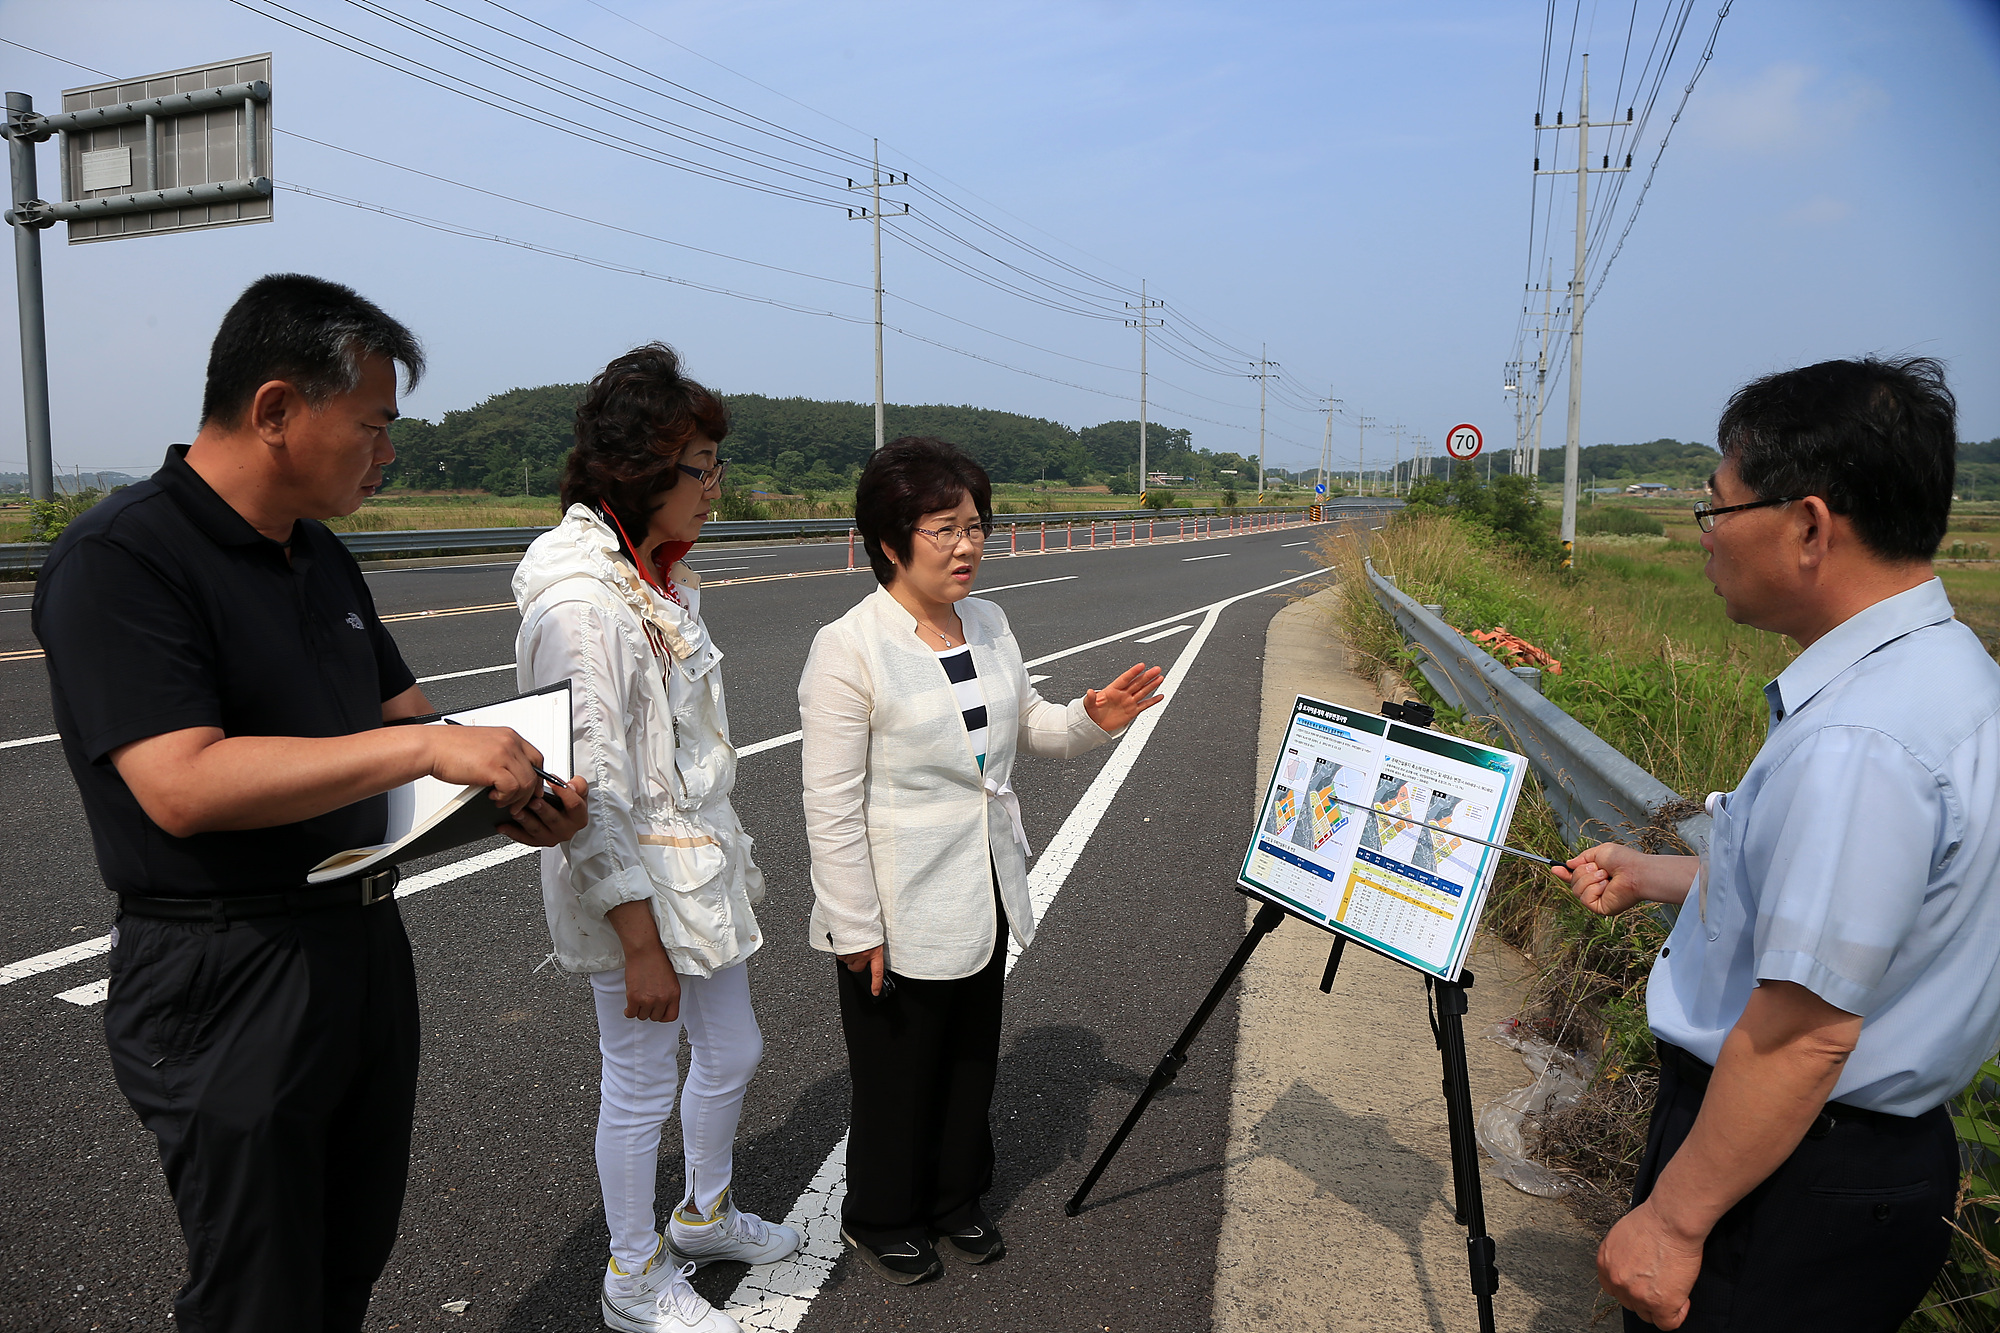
[(1378, 831)]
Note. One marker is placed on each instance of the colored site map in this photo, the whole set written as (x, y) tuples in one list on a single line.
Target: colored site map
[(1379, 831)]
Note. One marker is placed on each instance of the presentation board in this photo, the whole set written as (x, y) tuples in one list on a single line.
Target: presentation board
[(1378, 831)]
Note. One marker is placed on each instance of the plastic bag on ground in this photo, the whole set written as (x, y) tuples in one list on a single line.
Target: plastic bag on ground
[(1560, 1079)]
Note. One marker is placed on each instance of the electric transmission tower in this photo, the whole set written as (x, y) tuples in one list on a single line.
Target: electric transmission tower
[(1142, 323), (1583, 171), (1263, 376), (874, 214)]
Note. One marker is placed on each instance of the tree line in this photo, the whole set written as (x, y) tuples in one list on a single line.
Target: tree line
[(518, 440)]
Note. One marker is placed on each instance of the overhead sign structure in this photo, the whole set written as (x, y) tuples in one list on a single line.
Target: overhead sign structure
[(185, 150), (1464, 441)]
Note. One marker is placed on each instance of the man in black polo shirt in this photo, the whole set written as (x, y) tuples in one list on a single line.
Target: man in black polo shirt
[(221, 681)]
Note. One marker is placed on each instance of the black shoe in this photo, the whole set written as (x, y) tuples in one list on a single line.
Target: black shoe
[(902, 1262), (974, 1241)]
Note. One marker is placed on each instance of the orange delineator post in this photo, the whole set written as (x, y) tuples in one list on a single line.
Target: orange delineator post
[(1045, 536), (850, 548)]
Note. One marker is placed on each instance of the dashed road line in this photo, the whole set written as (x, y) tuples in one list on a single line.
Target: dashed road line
[(461, 675), (1188, 560), (1164, 634)]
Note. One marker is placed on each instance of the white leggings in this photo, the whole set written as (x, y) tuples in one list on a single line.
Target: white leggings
[(641, 1067)]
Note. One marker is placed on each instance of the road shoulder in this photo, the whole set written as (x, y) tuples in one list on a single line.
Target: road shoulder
[(1337, 1194)]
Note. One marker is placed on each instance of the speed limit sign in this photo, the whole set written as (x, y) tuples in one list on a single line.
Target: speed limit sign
[(1464, 441)]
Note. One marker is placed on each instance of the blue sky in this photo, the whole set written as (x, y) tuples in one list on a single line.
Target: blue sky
[(1347, 183)]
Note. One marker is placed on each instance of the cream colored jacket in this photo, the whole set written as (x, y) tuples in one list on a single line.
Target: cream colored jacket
[(652, 736), (900, 819)]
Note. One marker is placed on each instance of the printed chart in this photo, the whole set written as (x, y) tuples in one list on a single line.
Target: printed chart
[(1378, 830)]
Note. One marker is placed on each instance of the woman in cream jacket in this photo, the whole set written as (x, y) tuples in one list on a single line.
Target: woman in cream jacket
[(914, 705), (654, 902)]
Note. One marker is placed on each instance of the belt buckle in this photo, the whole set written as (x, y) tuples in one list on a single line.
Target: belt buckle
[(376, 887)]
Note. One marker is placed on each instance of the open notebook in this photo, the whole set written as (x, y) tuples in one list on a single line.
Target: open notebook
[(429, 816)]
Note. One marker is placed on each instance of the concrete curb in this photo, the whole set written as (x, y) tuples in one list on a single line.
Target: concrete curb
[(1337, 1193)]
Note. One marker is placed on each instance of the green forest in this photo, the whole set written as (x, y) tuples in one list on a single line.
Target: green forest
[(518, 440)]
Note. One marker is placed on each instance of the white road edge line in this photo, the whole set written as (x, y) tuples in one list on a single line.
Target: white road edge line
[(1289, 545), (28, 740), (54, 958), (1164, 634), (1190, 559), (776, 1298), (461, 675), (1009, 587)]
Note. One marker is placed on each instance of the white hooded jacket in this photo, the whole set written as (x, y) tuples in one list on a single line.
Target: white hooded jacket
[(651, 733)]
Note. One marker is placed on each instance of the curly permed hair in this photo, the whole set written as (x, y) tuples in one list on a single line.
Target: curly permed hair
[(635, 420)]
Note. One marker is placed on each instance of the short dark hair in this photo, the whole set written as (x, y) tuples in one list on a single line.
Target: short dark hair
[(309, 332), (906, 479), (1876, 439), (635, 420)]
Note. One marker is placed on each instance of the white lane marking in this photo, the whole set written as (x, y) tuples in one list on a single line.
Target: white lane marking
[(1289, 545), (1008, 587), (759, 747), (1188, 560), (94, 993), (717, 555), (718, 569), (1173, 619), (471, 865), (14, 610), (776, 1298), (29, 740), (1036, 680), (1164, 634), (460, 675), (54, 958)]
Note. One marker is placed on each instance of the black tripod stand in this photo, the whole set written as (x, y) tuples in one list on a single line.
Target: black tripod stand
[(1447, 1028)]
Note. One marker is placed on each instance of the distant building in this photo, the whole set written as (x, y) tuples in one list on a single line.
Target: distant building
[(1647, 488)]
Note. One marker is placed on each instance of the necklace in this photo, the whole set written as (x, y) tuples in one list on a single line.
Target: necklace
[(943, 638)]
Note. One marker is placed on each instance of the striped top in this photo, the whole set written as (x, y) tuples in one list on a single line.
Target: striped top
[(964, 678)]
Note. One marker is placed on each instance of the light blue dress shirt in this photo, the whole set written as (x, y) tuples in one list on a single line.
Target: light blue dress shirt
[(1860, 858)]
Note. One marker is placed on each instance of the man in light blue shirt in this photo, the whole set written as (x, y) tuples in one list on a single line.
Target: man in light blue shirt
[(1829, 983)]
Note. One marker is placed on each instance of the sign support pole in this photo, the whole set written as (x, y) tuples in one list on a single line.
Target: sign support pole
[(28, 290)]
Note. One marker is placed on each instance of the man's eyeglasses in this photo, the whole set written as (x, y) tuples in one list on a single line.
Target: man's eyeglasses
[(1705, 514), (707, 477), (947, 539)]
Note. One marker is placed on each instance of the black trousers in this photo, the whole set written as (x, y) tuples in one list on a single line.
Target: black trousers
[(275, 1060), (1844, 1237), (920, 1150)]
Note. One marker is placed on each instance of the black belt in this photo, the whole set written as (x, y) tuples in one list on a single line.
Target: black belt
[(1695, 1071), (362, 892)]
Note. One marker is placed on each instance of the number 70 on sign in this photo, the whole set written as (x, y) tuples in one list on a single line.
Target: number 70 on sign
[(1464, 441)]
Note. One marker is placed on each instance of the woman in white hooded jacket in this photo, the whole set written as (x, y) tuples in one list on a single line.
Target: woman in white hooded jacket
[(654, 900)]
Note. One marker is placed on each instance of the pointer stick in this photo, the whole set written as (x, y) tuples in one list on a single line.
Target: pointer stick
[(1439, 828)]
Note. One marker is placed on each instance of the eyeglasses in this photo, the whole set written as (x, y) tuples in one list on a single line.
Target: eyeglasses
[(1706, 514), (707, 477), (947, 539)]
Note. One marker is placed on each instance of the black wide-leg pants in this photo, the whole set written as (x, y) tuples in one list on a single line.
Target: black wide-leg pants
[(920, 1150), (275, 1060), (1844, 1237)]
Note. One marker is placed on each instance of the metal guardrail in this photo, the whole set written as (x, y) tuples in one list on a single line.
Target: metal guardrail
[(25, 558), (1595, 791)]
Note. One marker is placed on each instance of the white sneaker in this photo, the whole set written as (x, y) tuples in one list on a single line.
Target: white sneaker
[(727, 1233), (658, 1299)]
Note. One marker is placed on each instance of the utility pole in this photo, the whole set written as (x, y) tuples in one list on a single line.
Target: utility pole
[(1361, 425), (1326, 447), (1542, 369), (1262, 376), (28, 289), (1577, 300), (1142, 323), (874, 215)]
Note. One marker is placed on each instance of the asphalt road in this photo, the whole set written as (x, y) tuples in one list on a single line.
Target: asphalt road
[(503, 1210)]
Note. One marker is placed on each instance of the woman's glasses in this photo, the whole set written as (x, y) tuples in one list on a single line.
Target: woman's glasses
[(947, 539), (708, 477)]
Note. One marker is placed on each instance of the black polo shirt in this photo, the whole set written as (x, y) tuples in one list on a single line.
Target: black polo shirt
[(161, 609)]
